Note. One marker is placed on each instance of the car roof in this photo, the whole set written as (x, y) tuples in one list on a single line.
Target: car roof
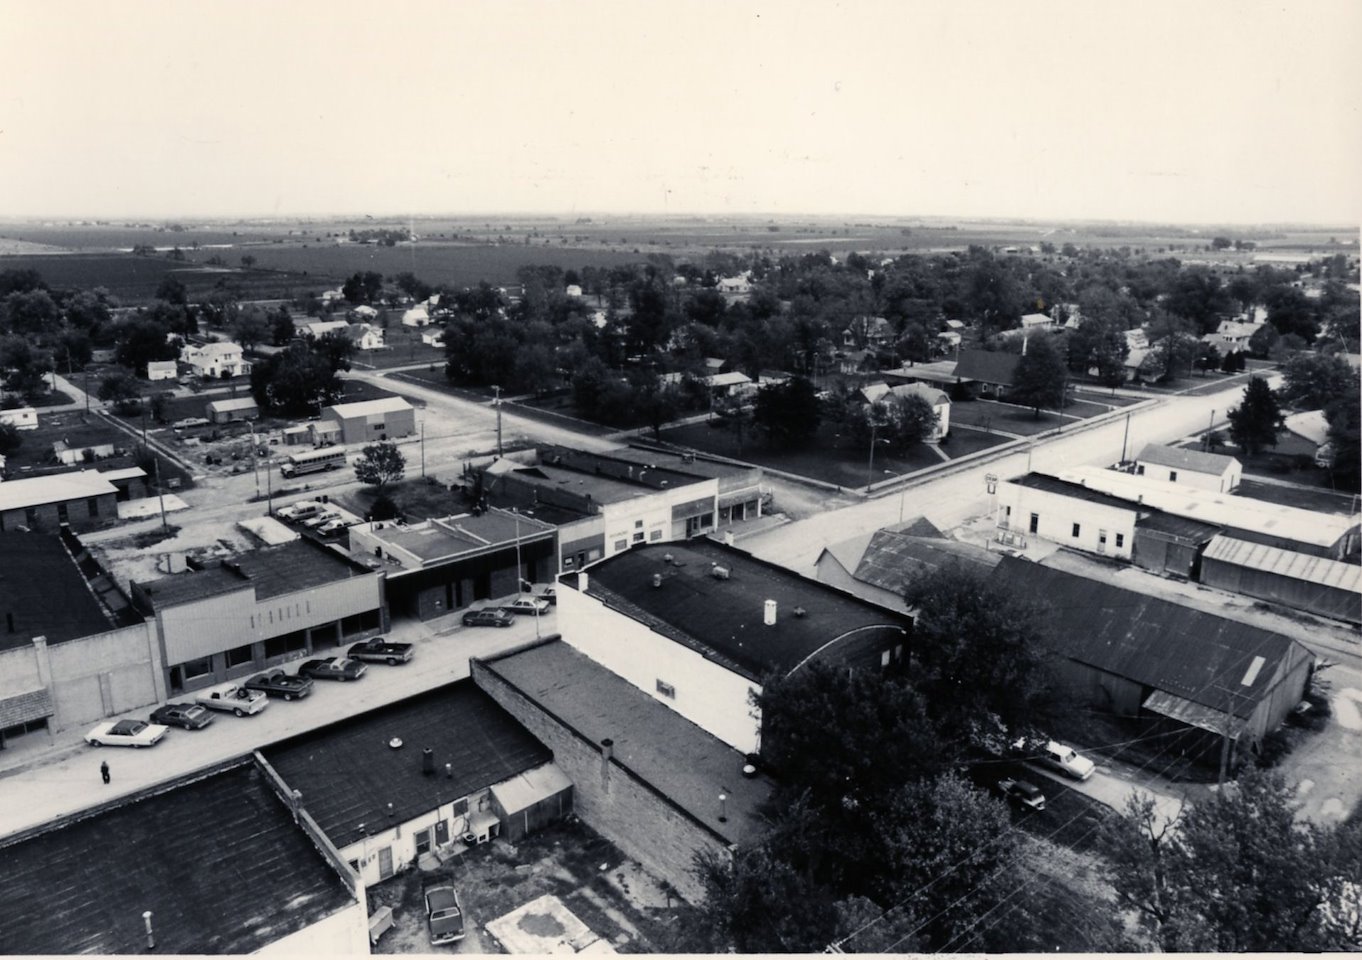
[(441, 898)]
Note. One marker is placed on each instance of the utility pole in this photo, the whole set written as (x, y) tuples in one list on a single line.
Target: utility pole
[(1124, 437), (496, 402), (870, 467), (255, 466), (1210, 428), (423, 447), (87, 393), (161, 493)]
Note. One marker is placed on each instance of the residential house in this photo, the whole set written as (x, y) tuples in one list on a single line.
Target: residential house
[(203, 865), (1203, 677), (1204, 471), (573, 291), (731, 384), (739, 286), (232, 617), (433, 338), (365, 421), (699, 625), (20, 418), (231, 409), (158, 370), (439, 565), (364, 313), (366, 336), (417, 316), (218, 360), (991, 373), (876, 390), (317, 329), (1036, 323), (415, 782), (867, 333)]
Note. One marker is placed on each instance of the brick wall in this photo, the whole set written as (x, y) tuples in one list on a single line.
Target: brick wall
[(610, 799)]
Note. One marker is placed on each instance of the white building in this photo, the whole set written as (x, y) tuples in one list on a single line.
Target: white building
[(20, 418), (417, 316), (162, 370), (320, 328), (1204, 471), (1068, 514), (220, 359)]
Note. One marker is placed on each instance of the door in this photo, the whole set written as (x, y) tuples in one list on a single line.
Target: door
[(1035, 523), (1101, 541), (442, 833), (385, 863)]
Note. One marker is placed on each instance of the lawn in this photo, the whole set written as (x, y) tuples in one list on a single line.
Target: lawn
[(404, 347), (990, 415), (1108, 398)]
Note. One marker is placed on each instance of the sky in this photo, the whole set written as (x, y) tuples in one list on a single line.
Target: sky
[(1205, 111)]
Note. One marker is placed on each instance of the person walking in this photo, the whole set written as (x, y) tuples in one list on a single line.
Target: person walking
[(104, 770)]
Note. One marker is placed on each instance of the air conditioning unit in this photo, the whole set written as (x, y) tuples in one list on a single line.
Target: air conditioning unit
[(718, 572)]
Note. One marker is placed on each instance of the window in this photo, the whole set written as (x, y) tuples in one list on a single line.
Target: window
[(569, 563), (62, 516), (288, 643), (196, 668), (461, 807), (1120, 540), (621, 545), (638, 524), (884, 658), (638, 537), (666, 689), (1139, 470), (1076, 529), (655, 536), (238, 656), (93, 506), (707, 520), (1172, 476), (354, 865)]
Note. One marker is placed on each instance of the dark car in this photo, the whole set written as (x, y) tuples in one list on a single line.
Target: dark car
[(189, 716), (490, 617), (277, 683), (1020, 792), (333, 668), (378, 650), (444, 915)]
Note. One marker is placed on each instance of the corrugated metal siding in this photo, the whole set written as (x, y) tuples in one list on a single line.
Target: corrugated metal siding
[(1320, 571)]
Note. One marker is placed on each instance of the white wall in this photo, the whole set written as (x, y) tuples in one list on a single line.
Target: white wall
[(1057, 515), (344, 933), (654, 512), (1216, 483), (402, 838), (707, 694)]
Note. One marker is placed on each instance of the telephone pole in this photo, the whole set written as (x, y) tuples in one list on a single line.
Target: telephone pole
[(496, 402)]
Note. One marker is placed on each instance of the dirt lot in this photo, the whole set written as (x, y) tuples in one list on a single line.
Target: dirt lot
[(610, 895)]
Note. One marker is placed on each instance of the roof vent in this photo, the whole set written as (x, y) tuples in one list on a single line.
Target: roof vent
[(667, 558), (428, 762), (769, 613), (800, 612), (657, 580), (718, 572)]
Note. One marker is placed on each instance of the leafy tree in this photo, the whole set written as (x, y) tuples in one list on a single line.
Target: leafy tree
[(734, 414), (10, 439), (366, 287), (1263, 341), (1207, 357), (380, 464), (32, 313), (248, 261), (1343, 416), (1255, 423), (121, 390), (21, 280), (251, 328), (1199, 296), (408, 283), (160, 405), (978, 649), (23, 367), (282, 329), (384, 508), (89, 310), (1041, 379), (140, 340), (789, 412), (656, 403), (295, 381), (1314, 380), (1239, 872)]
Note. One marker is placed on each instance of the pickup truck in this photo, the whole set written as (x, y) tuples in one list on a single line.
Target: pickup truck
[(280, 684), (378, 650), (238, 700)]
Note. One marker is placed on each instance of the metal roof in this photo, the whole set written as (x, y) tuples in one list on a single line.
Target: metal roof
[(1319, 571), (365, 408), (1169, 527), (1195, 655), (55, 488), (232, 403), (1193, 461), (892, 561)]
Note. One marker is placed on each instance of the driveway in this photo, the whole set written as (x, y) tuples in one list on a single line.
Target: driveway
[(1326, 765)]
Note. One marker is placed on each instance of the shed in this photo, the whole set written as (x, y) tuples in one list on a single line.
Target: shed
[(1204, 471), (162, 370), (1315, 584), (1172, 545), (231, 410), (20, 418), (531, 800)]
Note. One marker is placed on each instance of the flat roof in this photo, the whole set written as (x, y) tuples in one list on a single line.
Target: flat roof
[(453, 536), (219, 862), (364, 408), (233, 403), (125, 473), (272, 571), (44, 591), (1223, 509), (687, 765), (1067, 488), (1193, 460), (348, 773), (53, 488), (1179, 528), (601, 489), (724, 618), (684, 462)]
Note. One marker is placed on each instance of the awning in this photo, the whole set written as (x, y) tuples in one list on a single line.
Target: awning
[(23, 707), (524, 790), (1193, 714), (739, 496), (480, 820)]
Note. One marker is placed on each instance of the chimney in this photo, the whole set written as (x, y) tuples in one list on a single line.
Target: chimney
[(607, 751), (657, 580), (151, 936), (583, 581), (769, 613), (428, 762), (728, 538)]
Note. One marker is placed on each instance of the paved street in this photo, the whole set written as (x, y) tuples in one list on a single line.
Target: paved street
[(65, 778)]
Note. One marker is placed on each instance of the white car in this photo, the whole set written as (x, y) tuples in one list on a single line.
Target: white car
[(126, 733), (326, 516), (1064, 759), (530, 606), (334, 525)]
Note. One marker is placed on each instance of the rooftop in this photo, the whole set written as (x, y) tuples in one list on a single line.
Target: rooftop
[(724, 618), (987, 366), (1192, 460), (272, 571), (683, 462), (450, 537), (232, 403), (892, 561), (218, 861), (1195, 655), (1317, 571), (348, 774), (44, 592), (365, 408), (1067, 488), (1222, 509), (684, 763), (53, 488)]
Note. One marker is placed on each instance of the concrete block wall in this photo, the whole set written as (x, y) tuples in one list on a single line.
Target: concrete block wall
[(612, 800)]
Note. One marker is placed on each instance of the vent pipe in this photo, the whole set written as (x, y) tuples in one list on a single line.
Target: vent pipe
[(151, 935), (607, 751), (583, 581), (428, 762), (657, 580), (769, 613)]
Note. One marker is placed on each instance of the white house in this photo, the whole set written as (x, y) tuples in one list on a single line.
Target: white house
[(1035, 322), (1069, 514), (20, 418), (1204, 471), (219, 359), (573, 290), (741, 285), (433, 338), (731, 384), (366, 336), (317, 329), (940, 403), (162, 370), (417, 316), (364, 312)]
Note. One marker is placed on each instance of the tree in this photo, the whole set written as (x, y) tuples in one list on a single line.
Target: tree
[(23, 367), (160, 405), (384, 508), (380, 464), (733, 414), (33, 313), (1239, 872), (248, 261), (282, 329), (789, 412), (10, 439), (122, 391), (978, 649), (140, 340), (1041, 378), (295, 381), (1207, 357), (251, 328), (1313, 380), (1343, 419), (1255, 423), (172, 290), (1263, 341), (366, 287)]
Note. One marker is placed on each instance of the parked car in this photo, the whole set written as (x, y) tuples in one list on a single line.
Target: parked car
[(333, 526), (229, 696), (300, 510), (315, 522), (332, 668), (1056, 756), (550, 594), (530, 606), (188, 716), (1021, 792), (444, 915), (488, 617), (126, 733), (280, 684), (378, 650)]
